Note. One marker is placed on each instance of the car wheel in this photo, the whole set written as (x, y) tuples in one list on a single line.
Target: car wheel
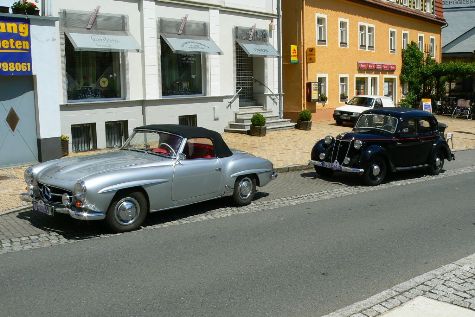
[(324, 172), (127, 212), (375, 173), (437, 163), (244, 190)]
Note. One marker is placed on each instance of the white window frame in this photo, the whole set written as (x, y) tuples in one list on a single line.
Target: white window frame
[(432, 46), (317, 33), (419, 36), (402, 39), (417, 4), (347, 32), (326, 85), (367, 83), (405, 2), (340, 76), (366, 34), (395, 79), (392, 41), (428, 6)]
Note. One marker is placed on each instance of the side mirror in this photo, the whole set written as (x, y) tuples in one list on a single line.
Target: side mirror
[(181, 157)]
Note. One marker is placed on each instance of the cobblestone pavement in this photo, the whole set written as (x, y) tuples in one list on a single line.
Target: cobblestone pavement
[(453, 283)]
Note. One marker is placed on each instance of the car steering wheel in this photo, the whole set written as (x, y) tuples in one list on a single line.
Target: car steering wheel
[(169, 147)]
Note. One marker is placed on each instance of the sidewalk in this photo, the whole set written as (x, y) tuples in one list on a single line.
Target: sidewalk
[(284, 148)]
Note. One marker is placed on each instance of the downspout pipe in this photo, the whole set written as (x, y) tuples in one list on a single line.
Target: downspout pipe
[(279, 66)]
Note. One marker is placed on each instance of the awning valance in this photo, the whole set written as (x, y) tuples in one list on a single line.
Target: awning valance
[(191, 44), (258, 48), (103, 41)]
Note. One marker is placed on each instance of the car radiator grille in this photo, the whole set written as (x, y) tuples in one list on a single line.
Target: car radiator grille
[(340, 150), (52, 194)]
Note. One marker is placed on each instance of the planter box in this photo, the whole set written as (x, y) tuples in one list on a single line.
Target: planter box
[(26, 12), (304, 125), (257, 131), (4, 9), (65, 147)]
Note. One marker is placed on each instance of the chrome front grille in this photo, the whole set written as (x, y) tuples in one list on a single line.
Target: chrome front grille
[(52, 194), (340, 150)]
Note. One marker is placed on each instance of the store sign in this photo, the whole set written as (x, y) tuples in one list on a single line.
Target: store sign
[(311, 58), (15, 47), (312, 91), (458, 3), (376, 66), (294, 57), (427, 105)]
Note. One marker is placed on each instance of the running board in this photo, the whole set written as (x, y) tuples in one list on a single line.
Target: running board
[(400, 169)]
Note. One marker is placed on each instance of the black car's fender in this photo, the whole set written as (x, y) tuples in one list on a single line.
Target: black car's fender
[(368, 153), (441, 145), (319, 147)]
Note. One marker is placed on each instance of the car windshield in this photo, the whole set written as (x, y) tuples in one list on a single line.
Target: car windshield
[(154, 142), (376, 121), (361, 101)]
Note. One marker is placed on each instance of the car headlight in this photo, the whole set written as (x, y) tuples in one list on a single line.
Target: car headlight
[(337, 113), (358, 144), (80, 191), (28, 175), (356, 114), (328, 139)]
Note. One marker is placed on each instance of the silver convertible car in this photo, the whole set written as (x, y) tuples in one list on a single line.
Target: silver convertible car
[(159, 167)]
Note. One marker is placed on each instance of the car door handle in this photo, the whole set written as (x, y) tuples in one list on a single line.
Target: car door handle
[(218, 169)]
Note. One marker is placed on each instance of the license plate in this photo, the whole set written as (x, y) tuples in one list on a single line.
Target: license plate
[(336, 166), (40, 207)]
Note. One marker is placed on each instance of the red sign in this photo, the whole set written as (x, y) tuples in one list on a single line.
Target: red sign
[(376, 66)]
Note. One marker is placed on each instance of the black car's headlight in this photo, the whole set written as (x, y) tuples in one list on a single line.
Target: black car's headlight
[(80, 191), (328, 140), (28, 175), (337, 113), (358, 144), (355, 114)]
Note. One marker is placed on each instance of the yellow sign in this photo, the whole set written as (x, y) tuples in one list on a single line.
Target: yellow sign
[(294, 58), (104, 82), (311, 55), (427, 105)]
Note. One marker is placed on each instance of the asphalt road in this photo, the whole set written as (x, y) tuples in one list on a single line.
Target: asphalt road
[(304, 260)]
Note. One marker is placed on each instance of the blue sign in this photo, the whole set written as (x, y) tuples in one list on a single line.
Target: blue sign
[(15, 47)]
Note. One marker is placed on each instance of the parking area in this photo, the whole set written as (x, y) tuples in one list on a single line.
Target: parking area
[(284, 148)]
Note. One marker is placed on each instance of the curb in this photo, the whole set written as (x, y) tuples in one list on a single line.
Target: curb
[(10, 211)]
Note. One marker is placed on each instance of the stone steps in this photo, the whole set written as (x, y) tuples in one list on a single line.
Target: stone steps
[(242, 123)]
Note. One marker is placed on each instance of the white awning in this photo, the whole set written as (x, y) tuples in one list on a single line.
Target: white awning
[(186, 44), (258, 49), (94, 41)]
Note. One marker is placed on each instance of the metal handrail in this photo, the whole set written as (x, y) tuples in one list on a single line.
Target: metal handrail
[(273, 95), (233, 99)]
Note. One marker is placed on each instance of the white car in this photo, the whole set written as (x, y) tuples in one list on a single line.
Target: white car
[(353, 108)]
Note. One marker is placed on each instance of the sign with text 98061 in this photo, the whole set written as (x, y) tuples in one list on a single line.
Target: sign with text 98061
[(15, 47)]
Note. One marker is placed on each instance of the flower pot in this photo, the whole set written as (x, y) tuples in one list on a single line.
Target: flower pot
[(4, 9), (18, 11), (257, 131), (65, 147), (304, 125)]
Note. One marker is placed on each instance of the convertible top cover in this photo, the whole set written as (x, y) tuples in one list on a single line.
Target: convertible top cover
[(220, 147)]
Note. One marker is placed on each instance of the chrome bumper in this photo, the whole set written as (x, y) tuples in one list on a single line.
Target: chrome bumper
[(274, 175), (82, 214), (333, 167)]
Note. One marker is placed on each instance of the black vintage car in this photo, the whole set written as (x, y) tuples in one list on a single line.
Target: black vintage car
[(383, 141)]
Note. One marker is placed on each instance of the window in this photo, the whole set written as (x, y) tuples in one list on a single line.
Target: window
[(405, 2), (116, 133), (424, 126), (405, 40), (321, 29), (392, 41), (429, 6), (362, 37), (322, 85), (370, 37), (417, 4), (421, 42), (343, 34), (181, 73), (91, 74), (432, 46), (188, 120), (84, 137), (199, 148), (343, 88)]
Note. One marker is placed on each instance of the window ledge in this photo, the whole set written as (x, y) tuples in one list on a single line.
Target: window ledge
[(30, 17)]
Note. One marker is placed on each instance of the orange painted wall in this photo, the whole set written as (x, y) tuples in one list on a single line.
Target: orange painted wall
[(333, 60)]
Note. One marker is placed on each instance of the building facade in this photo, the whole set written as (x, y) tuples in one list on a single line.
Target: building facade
[(347, 48), (119, 64)]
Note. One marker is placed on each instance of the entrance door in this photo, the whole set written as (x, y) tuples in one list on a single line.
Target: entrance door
[(18, 137), (390, 88), (244, 77)]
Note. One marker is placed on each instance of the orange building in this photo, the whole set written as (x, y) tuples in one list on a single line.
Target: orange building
[(351, 47)]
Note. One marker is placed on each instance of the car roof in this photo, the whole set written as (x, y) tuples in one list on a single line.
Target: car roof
[(189, 132), (373, 96), (401, 112)]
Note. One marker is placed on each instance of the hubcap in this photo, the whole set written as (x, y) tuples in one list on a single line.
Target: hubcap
[(438, 162), (375, 170), (245, 188), (127, 211)]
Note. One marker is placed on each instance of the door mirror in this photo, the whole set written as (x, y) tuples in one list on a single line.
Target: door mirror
[(181, 157)]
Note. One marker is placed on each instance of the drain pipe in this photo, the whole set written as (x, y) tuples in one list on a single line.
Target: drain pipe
[(279, 66)]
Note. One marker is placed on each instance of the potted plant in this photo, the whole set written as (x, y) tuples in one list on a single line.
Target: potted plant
[(305, 120), (323, 99), (64, 145), (25, 7), (258, 125)]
